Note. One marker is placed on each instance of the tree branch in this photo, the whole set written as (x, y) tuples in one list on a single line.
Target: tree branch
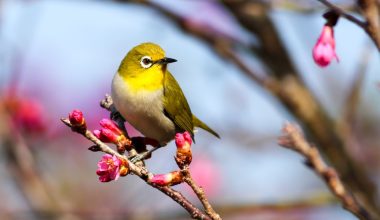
[(144, 174), (293, 139), (200, 194), (370, 12)]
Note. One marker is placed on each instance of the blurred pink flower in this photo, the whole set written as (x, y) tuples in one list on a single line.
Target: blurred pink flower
[(76, 117), (167, 179), (27, 114), (324, 49), (206, 174), (108, 168)]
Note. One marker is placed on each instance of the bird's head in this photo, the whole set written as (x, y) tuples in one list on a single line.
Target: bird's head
[(144, 59)]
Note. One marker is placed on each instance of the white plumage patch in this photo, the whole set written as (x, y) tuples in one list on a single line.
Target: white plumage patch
[(143, 110)]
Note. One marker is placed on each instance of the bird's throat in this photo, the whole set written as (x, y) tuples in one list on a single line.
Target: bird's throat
[(147, 81)]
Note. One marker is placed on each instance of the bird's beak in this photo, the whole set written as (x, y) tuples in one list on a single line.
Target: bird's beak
[(166, 60)]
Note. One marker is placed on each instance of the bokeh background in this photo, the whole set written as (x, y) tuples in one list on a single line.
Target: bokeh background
[(59, 55)]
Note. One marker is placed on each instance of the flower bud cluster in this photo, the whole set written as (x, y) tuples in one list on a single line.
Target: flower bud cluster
[(110, 133)]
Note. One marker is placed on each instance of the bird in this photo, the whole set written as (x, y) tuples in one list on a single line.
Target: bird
[(149, 98)]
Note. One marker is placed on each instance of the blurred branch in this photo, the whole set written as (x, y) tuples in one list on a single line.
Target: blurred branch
[(294, 140), (285, 85), (254, 16), (343, 13), (23, 168), (348, 120), (370, 11)]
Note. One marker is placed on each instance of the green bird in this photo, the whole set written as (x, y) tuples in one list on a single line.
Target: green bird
[(147, 95)]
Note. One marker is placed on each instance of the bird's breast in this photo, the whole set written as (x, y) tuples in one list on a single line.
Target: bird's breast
[(143, 109)]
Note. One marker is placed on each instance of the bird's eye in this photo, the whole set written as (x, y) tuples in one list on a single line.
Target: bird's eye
[(146, 62)]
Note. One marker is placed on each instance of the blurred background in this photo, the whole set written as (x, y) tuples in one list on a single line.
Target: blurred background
[(56, 56)]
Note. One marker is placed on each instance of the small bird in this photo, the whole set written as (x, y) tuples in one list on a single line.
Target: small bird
[(147, 95)]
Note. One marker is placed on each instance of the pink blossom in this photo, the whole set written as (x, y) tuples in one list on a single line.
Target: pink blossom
[(108, 168), (109, 124), (324, 49), (29, 115), (76, 117), (183, 140), (206, 174)]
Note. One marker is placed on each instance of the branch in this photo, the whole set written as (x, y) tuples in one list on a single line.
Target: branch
[(200, 193), (294, 140), (344, 14), (144, 174), (371, 13)]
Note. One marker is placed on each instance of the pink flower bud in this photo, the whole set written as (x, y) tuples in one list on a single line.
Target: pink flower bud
[(324, 49), (183, 155), (106, 135), (183, 140), (108, 168), (168, 179), (76, 118), (109, 124)]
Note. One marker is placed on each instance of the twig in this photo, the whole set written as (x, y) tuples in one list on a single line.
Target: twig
[(371, 13), (200, 194), (294, 139), (348, 120), (344, 14), (144, 174)]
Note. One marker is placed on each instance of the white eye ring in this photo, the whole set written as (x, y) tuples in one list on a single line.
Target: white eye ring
[(146, 62)]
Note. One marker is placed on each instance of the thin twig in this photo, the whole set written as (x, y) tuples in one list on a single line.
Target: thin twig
[(370, 12), (294, 139), (200, 194), (144, 174), (344, 14)]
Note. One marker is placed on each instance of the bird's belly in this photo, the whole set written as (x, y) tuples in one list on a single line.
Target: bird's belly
[(143, 110)]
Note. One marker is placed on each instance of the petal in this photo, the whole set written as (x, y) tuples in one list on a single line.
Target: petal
[(104, 178)]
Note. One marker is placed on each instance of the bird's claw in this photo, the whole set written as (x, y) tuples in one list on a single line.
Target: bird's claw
[(115, 115), (143, 156)]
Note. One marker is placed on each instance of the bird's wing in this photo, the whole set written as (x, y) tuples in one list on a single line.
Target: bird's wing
[(175, 105)]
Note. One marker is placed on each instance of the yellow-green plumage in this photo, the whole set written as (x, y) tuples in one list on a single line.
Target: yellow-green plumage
[(177, 108), (149, 98)]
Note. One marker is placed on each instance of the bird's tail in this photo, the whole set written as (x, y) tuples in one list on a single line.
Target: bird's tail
[(198, 123)]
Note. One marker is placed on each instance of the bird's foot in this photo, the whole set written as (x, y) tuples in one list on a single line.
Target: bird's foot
[(144, 155), (115, 115)]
